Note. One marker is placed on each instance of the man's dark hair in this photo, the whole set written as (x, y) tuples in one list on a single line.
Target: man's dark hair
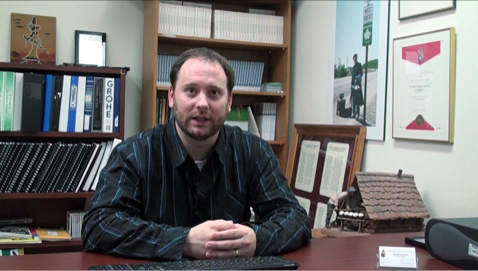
[(355, 55), (206, 55)]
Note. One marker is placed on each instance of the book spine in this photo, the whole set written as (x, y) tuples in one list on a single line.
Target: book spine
[(31, 162), (8, 103), (56, 103), (108, 103), (90, 85), (117, 106), (33, 102), (80, 108), (2, 97), (62, 166), (34, 181), (48, 102), (14, 183), (65, 104), (17, 101), (98, 104), (73, 104)]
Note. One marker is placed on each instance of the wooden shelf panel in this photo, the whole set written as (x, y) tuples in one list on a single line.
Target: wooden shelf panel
[(277, 142), (218, 43), (73, 243), (59, 135), (98, 71), (242, 93), (15, 196)]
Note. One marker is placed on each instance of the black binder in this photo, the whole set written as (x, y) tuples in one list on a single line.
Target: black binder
[(33, 102)]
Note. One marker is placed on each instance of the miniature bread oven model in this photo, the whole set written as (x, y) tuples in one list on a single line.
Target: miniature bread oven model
[(390, 203)]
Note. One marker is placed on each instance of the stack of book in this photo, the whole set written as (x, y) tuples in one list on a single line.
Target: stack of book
[(59, 103), (44, 167), (18, 235), (272, 87), (74, 223)]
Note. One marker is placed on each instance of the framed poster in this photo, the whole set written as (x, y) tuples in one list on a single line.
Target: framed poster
[(424, 86), (410, 9), (90, 48), (323, 160), (360, 70), (33, 39)]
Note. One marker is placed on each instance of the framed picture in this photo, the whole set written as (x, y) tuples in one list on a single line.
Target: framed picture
[(33, 39), (424, 86), (360, 70), (323, 160), (410, 9), (90, 48)]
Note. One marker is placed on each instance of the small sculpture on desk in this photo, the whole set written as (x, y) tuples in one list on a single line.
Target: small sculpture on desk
[(352, 201)]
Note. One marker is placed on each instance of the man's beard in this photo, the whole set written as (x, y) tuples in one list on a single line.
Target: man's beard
[(184, 124)]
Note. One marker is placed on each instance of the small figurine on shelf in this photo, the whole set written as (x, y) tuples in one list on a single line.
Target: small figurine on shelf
[(352, 201)]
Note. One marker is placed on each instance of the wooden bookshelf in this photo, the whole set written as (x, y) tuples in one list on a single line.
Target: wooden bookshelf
[(48, 210), (275, 56)]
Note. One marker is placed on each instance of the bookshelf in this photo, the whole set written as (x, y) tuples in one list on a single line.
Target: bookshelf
[(275, 56), (48, 210)]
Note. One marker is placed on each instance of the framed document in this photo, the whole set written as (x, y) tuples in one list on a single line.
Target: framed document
[(323, 160), (90, 48), (411, 9), (424, 86)]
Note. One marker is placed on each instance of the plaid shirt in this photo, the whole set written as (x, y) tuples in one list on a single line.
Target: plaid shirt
[(151, 193)]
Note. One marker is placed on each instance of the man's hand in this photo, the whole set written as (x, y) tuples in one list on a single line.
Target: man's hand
[(237, 242), (195, 244)]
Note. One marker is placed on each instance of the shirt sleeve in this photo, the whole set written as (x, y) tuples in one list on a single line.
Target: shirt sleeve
[(113, 224), (284, 224)]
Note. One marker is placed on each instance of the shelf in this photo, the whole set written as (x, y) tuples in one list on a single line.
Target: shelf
[(10, 196), (218, 43), (59, 135), (98, 71), (73, 243), (276, 142), (242, 93)]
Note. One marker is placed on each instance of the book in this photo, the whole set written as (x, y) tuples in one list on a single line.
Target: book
[(73, 104), (2, 97), (65, 104), (95, 168), (17, 101), (80, 101), (117, 106), (8, 103), (56, 103), (48, 102), (108, 103), (90, 84), (53, 235), (34, 239), (98, 104), (18, 232), (238, 117), (33, 102)]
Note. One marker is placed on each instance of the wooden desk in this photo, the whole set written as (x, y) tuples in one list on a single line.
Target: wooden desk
[(326, 253)]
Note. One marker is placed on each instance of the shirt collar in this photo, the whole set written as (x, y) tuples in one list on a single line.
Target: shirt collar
[(179, 151)]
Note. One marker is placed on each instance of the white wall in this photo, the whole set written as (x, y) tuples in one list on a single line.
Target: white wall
[(444, 173), (122, 21)]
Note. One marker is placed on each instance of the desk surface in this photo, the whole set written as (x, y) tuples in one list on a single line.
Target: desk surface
[(326, 253)]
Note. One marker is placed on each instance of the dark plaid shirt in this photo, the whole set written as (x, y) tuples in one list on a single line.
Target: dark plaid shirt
[(151, 193)]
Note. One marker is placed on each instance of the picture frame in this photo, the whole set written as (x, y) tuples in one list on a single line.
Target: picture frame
[(90, 48), (424, 86), (349, 37), (412, 9), (33, 39), (323, 161)]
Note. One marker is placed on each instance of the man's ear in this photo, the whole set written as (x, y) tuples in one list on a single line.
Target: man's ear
[(171, 96), (229, 104)]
